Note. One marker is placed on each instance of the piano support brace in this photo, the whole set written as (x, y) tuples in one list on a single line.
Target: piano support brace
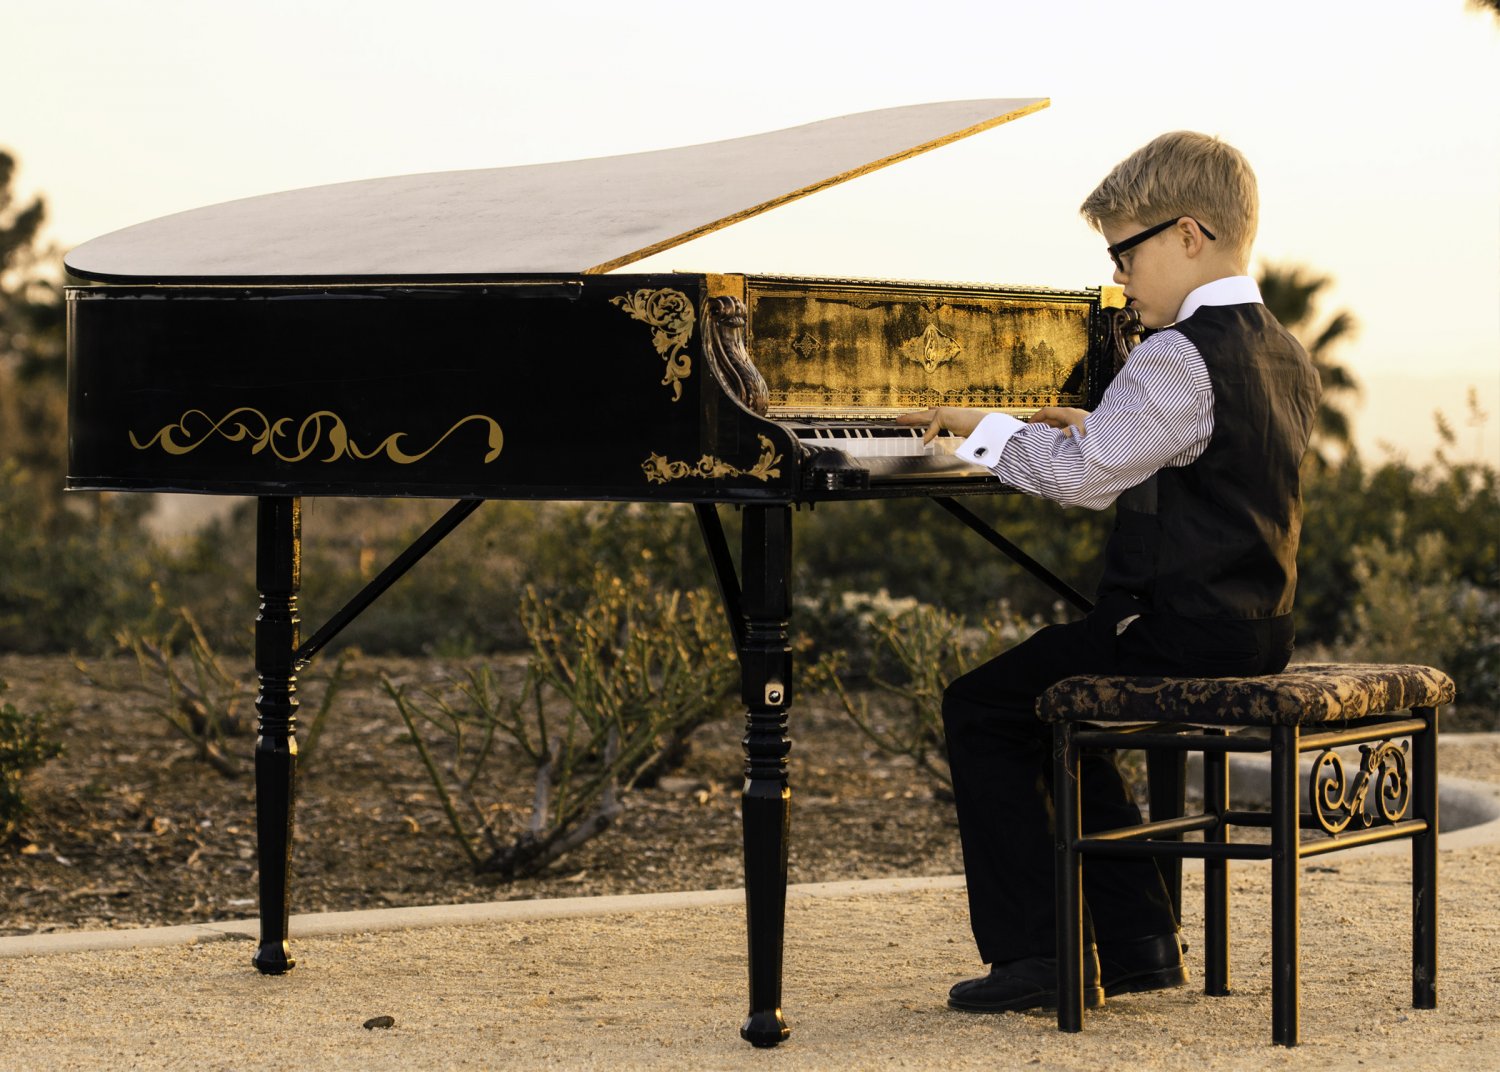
[(387, 577), (712, 529), (1020, 557)]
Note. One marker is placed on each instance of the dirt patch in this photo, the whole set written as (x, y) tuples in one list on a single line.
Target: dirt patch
[(128, 828)]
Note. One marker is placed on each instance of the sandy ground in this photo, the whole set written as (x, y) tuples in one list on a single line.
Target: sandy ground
[(865, 981)]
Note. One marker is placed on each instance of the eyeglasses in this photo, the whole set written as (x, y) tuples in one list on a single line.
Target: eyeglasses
[(1151, 232)]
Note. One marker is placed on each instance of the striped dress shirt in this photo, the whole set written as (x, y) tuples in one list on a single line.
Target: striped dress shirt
[(1157, 413)]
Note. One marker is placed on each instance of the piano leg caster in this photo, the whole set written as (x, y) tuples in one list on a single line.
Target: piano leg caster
[(765, 1029), (272, 958)]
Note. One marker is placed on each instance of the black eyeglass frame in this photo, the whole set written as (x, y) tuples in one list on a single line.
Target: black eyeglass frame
[(1134, 240)]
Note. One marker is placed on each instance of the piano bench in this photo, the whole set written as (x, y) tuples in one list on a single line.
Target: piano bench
[(1313, 708)]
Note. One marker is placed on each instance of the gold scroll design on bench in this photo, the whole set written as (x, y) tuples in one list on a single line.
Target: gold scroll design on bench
[(1382, 768), (659, 470), (318, 430), (670, 316)]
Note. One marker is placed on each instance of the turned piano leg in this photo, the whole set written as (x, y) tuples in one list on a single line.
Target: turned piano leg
[(278, 574), (766, 668)]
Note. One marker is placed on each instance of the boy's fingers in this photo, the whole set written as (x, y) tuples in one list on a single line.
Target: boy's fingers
[(1068, 420)]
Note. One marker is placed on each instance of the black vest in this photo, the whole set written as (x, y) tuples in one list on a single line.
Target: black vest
[(1218, 538)]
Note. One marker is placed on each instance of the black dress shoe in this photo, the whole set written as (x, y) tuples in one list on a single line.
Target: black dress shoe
[(1030, 983), (1137, 965)]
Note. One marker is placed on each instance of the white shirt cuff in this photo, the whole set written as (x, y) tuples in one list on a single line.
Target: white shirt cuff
[(989, 439)]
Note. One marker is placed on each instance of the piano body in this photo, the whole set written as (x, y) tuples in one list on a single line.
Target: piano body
[(465, 335)]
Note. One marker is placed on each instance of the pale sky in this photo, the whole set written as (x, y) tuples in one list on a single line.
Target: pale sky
[(1372, 127)]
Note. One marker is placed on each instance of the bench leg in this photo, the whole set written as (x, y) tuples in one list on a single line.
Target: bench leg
[(1285, 839), (1068, 828), (1216, 875), (1424, 861)]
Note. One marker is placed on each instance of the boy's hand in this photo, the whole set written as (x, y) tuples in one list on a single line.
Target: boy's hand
[(957, 419), (1067, 418)]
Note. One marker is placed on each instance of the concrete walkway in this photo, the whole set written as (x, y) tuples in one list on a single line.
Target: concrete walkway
[(658, 982)]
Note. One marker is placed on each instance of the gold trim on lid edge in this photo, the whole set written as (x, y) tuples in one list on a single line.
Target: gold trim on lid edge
[(852, 173)]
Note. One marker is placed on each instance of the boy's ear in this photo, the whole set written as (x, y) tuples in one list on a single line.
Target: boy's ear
[(1190, 233)]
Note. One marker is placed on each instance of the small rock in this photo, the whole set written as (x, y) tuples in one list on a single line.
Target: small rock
[(379, 1021), (675, 784)]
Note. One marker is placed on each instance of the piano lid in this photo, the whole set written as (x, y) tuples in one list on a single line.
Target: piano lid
[(580, 216)]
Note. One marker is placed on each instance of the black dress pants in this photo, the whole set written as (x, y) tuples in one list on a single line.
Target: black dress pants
[(1000, 755)]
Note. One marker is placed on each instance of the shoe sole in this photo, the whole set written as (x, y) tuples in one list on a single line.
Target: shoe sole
[(1093, 998), (1144, 982)]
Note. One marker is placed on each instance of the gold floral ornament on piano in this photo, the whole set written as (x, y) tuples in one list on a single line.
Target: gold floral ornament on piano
[(323, 429), (670, 316), (659, 470), (931, 349)]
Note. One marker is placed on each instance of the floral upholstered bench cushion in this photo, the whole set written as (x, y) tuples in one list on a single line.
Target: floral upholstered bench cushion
[(1305, 694)]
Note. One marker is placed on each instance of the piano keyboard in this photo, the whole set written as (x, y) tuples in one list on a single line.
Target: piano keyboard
[(876, 439), (868, 453)]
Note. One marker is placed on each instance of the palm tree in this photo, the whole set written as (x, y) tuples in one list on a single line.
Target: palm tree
[(1290, 293)]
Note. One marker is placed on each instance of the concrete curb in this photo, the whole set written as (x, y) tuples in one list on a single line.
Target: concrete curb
[(458, 915)]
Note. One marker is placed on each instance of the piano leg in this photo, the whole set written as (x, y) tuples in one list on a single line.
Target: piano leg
[(278, 574), (766, 674)]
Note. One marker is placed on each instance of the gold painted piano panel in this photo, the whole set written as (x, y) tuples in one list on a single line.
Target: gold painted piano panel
[(869, 348)]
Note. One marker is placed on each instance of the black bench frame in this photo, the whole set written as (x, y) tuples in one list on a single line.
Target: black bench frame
[(1160, 838)]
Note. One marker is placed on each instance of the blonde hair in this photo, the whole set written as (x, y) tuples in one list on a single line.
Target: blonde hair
[(1181, 174)]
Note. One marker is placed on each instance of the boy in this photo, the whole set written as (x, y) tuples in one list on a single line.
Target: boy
[(1198, 442)]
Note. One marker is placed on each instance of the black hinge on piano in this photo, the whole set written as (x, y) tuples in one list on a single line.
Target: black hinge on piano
[(830, 469)]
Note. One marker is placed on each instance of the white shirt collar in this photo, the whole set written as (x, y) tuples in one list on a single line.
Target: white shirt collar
[(1231, 290)]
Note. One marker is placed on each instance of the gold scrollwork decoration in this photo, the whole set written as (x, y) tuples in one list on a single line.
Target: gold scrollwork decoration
[(670, 316), (318, 430), (931, 349), (806, 345), (659, 469), (1336, 803)]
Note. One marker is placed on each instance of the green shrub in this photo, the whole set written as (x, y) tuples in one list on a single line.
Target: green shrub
[(1351, 505), (916, 651), (461, 598), (635, 670), (912, 548), (69, 575), (24, 745), (206, 697), (1412, 606)]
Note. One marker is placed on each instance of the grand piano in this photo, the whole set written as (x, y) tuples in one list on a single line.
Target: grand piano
[(469, 335)]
